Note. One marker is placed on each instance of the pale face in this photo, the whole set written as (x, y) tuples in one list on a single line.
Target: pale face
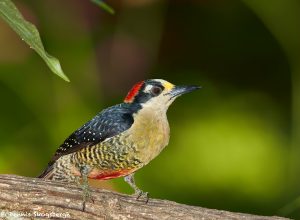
[(161, 94), (156, 94)]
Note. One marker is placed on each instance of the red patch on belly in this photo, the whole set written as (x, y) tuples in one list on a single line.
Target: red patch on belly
[(105, 175)]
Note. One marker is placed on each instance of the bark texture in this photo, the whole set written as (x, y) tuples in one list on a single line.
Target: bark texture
[(30, 198)]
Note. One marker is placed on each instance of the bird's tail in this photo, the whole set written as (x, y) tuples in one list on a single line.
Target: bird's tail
[(47, 173)]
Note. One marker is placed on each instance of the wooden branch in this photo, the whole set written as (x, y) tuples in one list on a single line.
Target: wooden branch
[(30, 198)]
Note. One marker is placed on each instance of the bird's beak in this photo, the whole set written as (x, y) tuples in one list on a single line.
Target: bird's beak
[(180, 90)]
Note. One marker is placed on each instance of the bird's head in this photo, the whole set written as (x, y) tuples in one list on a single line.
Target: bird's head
[(157, 93)]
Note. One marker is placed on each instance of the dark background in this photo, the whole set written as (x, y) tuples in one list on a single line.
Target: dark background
[(234, 144)]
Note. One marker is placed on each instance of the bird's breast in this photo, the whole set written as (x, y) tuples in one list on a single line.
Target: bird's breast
[(149, 134)]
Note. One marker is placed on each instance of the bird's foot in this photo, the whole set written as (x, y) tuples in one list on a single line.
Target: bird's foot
[(141, 195), (86, 195), (86, 191)]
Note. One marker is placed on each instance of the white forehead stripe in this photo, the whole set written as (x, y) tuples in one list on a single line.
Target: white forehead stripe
[(166, 84), (148, 88)]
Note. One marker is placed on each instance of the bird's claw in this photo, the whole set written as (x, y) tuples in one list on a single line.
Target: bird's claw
[(142, 195), (86, 196)]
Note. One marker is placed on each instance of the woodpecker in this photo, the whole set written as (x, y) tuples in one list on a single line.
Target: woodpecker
[(119, 140)]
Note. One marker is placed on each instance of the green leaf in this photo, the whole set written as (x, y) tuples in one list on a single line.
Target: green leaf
[(29, 34), (104, 6)]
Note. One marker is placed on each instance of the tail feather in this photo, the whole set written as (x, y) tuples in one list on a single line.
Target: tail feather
[(47, 173), (60, 170)]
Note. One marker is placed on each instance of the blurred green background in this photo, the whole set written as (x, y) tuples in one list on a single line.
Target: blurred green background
[(235, 144)]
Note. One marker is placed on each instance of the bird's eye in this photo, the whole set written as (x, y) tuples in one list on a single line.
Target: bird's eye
[(156, 90)]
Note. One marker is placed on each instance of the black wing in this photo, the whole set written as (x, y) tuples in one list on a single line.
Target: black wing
[(105, 124)]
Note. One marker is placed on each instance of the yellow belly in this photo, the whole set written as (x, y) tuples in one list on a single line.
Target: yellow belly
[(150, 134)]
